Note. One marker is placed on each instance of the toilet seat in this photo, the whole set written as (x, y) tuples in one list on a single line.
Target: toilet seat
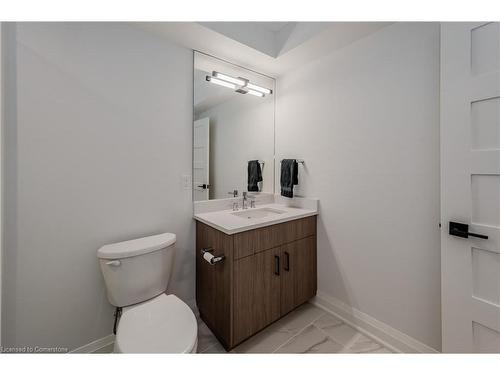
[(163, 324)]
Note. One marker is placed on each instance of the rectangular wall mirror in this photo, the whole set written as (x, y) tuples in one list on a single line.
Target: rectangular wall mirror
[(233, 130)]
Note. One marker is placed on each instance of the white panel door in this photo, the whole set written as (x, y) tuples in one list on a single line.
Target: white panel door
[(470, 186), (201, 153)]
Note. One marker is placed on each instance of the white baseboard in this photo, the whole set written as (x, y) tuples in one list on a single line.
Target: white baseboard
[(95, 345), (385, 334)]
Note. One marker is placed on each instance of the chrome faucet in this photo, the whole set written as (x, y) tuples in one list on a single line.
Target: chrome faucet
[(244, 203), (234, 193), (246, 196)]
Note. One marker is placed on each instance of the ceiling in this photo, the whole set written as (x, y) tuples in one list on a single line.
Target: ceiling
[(274, 26), (270, 38), (272, 48)]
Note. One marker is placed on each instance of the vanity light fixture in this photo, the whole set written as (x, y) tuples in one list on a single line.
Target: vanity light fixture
[(237, 81), (238, 84), (220, 82), (258, 88), (256, 93)]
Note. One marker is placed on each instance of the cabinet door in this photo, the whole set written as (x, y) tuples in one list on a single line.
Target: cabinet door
[(256, 293), (288, 252), (305, 269), (298, 277), (267, 289)]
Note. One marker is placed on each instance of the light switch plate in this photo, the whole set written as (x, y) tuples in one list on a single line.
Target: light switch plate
[(187, 183)]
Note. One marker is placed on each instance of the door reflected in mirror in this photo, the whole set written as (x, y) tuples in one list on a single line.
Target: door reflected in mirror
[(233, 130)]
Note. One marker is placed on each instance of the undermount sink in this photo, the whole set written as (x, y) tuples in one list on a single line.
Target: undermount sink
[(258, 213)]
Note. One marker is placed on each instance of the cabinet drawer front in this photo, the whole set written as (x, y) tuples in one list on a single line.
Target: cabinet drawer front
[(298, 229), (268, 237), (257, 240), (261, 239), (244, 244)]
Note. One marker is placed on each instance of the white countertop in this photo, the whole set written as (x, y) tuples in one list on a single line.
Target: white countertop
[(226, 222)]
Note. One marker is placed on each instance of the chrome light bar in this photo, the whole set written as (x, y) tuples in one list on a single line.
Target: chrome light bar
[(238, 84)]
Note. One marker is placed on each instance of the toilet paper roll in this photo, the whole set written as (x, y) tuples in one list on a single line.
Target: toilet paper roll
[(208, 257)]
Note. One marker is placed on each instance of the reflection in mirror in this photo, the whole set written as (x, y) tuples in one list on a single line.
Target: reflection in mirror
[(233, 134)]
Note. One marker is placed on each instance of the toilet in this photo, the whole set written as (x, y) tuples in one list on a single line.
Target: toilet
[(136, 274)]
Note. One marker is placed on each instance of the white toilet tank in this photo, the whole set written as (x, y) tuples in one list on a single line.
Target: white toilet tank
[(137, 270)]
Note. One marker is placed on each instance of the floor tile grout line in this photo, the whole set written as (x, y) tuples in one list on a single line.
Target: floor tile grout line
[(346, 347), (291, 338), (332, 338), (369, 336), (352, 341), (353, 327), (380, 346), (209, 347), (298, 333)]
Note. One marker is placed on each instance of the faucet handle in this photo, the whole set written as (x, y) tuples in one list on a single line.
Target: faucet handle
[(234, 193), (252, 200)]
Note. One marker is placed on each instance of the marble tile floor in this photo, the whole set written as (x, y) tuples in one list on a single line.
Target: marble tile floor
[(108, 349), (307, 329)]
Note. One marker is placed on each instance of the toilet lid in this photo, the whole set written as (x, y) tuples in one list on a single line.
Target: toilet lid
[(164, 324)]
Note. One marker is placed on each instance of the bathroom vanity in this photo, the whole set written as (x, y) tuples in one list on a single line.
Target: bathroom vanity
[(262, 273), (256, 251)]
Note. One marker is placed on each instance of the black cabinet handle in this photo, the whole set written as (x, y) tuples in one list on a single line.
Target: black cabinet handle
[(276, 265), (462, 230), (287, 257), (204, 186)]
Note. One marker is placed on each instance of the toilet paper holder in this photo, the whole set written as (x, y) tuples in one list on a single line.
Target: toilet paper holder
[(209, 257)]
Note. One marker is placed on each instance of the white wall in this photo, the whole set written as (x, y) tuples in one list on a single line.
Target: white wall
[(99, 131), (241, 129), (366, 121)]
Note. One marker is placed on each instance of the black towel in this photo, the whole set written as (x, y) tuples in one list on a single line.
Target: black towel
[(289, 176), (254, 175)]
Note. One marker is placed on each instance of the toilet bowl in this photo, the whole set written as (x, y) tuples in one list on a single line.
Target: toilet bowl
[(163, 324), (136, 275)]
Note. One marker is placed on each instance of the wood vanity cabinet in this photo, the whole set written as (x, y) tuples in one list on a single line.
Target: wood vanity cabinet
[(266, 273)]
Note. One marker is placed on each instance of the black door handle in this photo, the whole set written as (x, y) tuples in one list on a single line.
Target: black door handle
[(204, 186), (287, 264), (276, 265), (462, 230)]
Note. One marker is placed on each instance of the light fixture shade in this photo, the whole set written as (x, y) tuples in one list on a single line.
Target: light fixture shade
[(261, 89), (255, 93), (220, 82), (225, 77)]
